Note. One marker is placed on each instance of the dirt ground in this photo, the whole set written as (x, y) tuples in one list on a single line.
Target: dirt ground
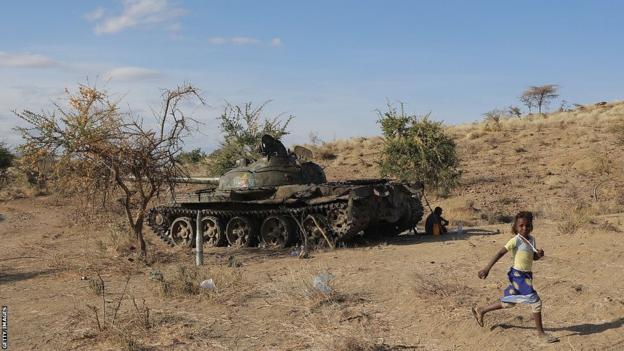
[(410, 292)]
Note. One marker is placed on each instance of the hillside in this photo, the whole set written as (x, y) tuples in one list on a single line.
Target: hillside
[(411, 292), (549, 164)]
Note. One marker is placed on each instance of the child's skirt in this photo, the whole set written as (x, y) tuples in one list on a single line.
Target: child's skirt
[(520, 289)]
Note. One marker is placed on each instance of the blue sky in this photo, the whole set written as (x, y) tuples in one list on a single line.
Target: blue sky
[(329, 63)]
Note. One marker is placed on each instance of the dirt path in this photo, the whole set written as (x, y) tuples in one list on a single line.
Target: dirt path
[(412, 291)]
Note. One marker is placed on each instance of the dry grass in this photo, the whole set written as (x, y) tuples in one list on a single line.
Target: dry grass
[(122, 322), (118, 238), (363, 343), (573, 218), (184, 281), (53, 259)]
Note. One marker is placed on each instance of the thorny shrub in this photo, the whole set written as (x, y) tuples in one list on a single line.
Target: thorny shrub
[(417, 149)]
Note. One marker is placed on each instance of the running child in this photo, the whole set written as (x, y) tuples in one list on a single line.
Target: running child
[(520, 289)]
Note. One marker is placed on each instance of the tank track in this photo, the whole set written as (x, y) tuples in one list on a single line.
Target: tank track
[(355, 224)]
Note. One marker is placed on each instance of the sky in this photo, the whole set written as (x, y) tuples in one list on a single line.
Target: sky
[(331, 64)]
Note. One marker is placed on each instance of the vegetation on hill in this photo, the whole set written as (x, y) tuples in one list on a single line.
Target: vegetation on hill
[(547, 163)]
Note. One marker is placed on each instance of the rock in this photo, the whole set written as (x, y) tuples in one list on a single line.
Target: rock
[(321, 282)]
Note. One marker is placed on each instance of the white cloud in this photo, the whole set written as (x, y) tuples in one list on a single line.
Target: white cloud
[(25, 60), (136, 13), (130, 73), (95, 14), (217, 40), (276, 42), (244, 40)]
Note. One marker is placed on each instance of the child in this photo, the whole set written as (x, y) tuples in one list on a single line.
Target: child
[(520, 289)]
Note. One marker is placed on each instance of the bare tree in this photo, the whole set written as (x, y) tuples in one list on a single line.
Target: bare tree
[(99, 147), (514, 111), (539, 96), (494, 118)]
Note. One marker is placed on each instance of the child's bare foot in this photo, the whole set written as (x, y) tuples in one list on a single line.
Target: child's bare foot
[(547, 338), (478, 315)]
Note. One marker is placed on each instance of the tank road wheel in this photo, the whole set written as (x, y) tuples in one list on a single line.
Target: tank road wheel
[(159, 219), (241, 232), (277, 231), (214, 232), (314, 234), (181, 231), (338, 220)]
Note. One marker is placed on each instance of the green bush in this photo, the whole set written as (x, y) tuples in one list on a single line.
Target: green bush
[(6, 160), (417, 149), (193, 156), (242, 128)]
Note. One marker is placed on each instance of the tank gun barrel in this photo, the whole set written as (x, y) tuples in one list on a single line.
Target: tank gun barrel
[(196, 180), (188, 180)]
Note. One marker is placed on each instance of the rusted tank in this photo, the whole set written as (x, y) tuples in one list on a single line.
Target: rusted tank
[(281, 199)]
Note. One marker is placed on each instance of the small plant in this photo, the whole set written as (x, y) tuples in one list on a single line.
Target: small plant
[(121, 326), (315, 139), (493, 119), (514, 111), (573, 219), (565, 106), (184, 281), (96, 285)]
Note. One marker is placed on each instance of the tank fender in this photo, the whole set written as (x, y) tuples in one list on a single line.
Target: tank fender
[(299, 192), (361, 193), (381, 190)]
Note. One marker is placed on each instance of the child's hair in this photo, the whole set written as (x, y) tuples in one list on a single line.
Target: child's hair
[(528, 215)]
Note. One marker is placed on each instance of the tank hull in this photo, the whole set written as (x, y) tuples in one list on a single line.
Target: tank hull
[(319, 215)]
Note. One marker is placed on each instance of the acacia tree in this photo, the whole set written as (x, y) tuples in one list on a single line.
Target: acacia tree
[(98, 147), (539, 96), (242, 128), (417, 149)]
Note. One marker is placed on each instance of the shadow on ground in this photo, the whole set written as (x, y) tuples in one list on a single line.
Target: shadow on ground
[(578, 329), (409, 238), (233, 256), (12, 277)]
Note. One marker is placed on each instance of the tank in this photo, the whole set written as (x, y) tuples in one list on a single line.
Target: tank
[(283, 199)]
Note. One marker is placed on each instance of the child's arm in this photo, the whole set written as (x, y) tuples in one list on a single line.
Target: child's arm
[(485, 271)]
